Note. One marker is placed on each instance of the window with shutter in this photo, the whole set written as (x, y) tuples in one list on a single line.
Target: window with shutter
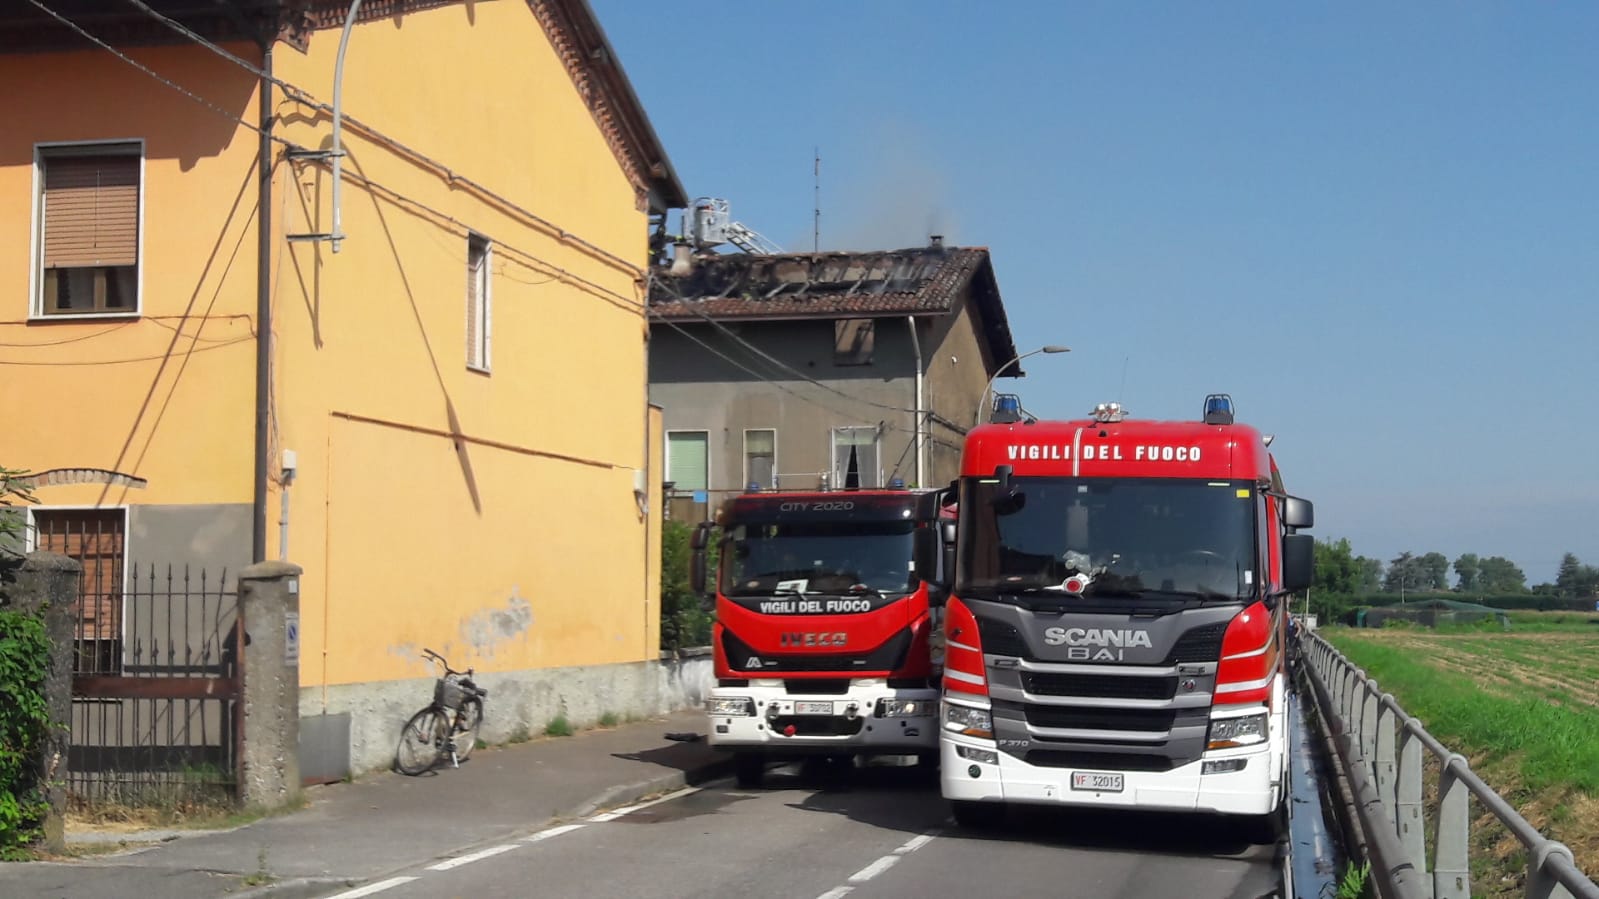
[(688, 460), (89, 229), (95, 538)]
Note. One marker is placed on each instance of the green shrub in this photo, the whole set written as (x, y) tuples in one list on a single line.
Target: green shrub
[(24, 728), (684, 622)]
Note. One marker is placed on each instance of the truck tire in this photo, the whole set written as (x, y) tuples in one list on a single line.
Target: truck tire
[(1271, 828), (749, 769), (978, 815)]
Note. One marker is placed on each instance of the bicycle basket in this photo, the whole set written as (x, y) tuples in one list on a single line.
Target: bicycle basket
[(447, 693)]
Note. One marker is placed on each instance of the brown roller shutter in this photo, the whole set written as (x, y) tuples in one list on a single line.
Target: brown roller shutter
[(91, 211)]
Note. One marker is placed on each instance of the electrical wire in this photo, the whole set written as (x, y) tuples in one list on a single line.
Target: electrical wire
[(778, 363), (65, 340), (192, 349), (452, 177), (530, 260)]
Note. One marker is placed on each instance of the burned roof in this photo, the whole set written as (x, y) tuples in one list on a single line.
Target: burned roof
[(921, 281)]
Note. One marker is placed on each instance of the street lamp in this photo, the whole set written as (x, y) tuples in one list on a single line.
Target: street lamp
[(983, 403)]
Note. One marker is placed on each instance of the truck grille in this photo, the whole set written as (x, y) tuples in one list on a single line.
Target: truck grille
[(1000, 638), (887, 657), (1144, 720), (1108, 686), (1201, 644)]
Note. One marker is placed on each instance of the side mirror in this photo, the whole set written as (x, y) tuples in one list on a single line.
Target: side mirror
[(696, 563), (1298, 513), (1299, 561), (1007, 499)]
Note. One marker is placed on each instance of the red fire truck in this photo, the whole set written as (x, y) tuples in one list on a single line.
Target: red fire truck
[(1117, 627), (826, 620)]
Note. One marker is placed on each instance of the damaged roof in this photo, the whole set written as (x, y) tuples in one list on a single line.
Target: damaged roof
[(922, 281)]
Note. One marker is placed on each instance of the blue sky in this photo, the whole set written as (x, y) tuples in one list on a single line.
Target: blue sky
[(1375, 225)]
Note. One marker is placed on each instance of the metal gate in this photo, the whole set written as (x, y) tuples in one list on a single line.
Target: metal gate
[(155, 713)]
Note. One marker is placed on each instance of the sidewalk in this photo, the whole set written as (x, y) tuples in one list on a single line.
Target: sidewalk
[(358, 832)]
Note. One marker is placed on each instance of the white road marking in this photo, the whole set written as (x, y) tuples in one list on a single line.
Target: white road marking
[(371, 888), (915, 844), (552, 832), (481, 854), (873, 869), (836, 893)]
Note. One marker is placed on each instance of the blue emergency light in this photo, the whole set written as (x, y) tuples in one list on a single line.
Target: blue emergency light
[(1007, 409), (1218, 409)]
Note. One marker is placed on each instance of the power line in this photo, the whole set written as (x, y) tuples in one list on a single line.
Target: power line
[(71, 363), (745, 368), (778, 363), (529, 260), (152, 73), (452, 177)]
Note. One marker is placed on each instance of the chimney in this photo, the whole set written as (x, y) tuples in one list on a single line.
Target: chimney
[(937, 242)]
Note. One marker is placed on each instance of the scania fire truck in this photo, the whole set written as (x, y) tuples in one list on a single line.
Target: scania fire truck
[(825, 624), (1116, 632)]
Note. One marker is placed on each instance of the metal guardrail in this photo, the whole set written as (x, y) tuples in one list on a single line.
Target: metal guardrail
[(1384, 769)]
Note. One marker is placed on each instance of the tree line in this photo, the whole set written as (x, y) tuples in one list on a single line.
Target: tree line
[(1342, 576)]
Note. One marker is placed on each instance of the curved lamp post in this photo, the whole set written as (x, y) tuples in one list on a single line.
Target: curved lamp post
[(983, 403)]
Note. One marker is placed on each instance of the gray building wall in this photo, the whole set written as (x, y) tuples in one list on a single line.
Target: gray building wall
[(213, 537), (711, 382)]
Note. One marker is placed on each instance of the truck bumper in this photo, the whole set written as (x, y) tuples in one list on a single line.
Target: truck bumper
[(801, 724), (974, 770)]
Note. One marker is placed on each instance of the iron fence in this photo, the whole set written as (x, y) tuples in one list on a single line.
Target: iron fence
[(155, 718), (1383, 752)]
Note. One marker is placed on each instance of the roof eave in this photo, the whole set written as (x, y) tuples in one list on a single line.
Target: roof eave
[(666, 190)]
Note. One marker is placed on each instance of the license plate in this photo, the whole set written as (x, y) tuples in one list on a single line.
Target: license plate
[(1097, 782), (813, 707)]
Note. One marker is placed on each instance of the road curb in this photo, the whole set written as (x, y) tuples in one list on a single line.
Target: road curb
[(675, 780)]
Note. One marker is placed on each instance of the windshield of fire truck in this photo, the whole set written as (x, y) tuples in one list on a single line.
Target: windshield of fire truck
[(765, 559), (1129, 536)]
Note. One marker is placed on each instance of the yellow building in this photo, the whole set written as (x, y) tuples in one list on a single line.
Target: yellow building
[(423, 380)]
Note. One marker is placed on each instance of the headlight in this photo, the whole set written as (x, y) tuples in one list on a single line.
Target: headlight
[(968, 721), (904, 708), (1226, 733), (735, 707)]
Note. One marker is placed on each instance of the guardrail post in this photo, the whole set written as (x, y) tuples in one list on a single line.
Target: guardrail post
[(1369, 702), (1385, 759), (1541, 882), (1452, 855), (1412, 833)]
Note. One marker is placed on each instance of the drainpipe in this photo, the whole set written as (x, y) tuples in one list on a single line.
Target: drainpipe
[(916, 344), (338, 123), (263, 306)]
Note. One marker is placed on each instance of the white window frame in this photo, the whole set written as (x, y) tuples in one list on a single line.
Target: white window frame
[(41, 151), (838, 473), (709, 463), (746, 456), (480, 356)]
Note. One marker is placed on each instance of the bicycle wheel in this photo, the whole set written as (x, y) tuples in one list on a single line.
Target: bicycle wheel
[(420, 745), (468, 723)]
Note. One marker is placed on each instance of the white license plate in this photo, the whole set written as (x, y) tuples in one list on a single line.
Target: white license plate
[(1099, 783), (813, 707)]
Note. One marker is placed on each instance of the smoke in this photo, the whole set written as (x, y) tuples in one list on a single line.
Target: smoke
[(895, 195)]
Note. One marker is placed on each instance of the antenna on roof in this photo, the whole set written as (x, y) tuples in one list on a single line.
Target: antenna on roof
[(816, 212)]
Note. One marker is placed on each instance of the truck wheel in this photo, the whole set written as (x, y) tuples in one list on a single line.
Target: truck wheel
[(749, 768), (978, 815), (1269, 829)]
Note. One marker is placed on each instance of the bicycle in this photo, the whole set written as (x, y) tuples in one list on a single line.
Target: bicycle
[(449, 724)]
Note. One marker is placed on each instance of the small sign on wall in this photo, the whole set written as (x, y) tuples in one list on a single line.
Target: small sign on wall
[(291, 638)]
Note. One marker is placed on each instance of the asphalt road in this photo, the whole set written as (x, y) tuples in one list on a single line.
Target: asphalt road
[(869, 834)]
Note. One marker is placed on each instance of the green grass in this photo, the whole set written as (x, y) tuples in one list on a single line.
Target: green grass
[(558, 727), (609, 719), (1551, 745)]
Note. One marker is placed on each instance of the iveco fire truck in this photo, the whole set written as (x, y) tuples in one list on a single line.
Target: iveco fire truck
[(1116, 632), (825, 624)]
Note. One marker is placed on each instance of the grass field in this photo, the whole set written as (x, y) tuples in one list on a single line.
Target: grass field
[(1522, 704)]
